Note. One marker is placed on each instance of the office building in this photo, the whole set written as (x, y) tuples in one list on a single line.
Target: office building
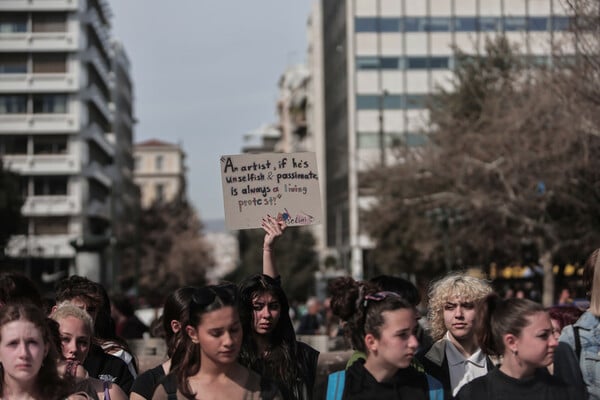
[(381, 59)]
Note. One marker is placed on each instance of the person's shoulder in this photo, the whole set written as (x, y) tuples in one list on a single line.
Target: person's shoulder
[(306, 349), (474, 390)]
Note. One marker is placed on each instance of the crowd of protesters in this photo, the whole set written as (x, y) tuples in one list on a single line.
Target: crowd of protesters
[(239, 341)]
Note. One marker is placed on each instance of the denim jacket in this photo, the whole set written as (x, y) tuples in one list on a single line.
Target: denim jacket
[(589, 359)]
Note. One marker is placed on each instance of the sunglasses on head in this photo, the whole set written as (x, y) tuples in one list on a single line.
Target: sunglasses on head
[(379, 296), (207, 295)]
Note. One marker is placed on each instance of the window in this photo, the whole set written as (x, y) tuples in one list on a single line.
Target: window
[(389, 62), (13, 64), (413, 24), (13, 144), (368, 140), (137, 163), (158, 163), (389, 25), (159, 195), (50, 145), (49, 104), (50, 63), (415, 101), (560, 23), (49, 22), (439, 62), (50, 186), (13, 104), (365, 24), (13, 22), (417, 63), (465, 24), (489, 24), (367, 62), (367, 102), (515, 24), (50, 225), (537, 23), (438, 24)]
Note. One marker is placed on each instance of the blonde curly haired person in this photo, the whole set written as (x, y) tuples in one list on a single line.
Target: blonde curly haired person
[(455, 357)]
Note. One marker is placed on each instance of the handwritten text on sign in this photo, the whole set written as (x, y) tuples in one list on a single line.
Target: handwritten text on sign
[(279, 184)]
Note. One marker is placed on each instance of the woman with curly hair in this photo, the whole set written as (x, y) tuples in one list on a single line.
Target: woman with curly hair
[(455, 357), (269, 345)]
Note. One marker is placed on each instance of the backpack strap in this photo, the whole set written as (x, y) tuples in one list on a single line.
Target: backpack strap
[(436, 390), (170, 385), (335, 385), (577, 342)]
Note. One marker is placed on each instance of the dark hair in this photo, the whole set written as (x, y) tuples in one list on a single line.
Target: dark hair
[(177, 307), (405, 288), (497, 317), (186, 357), (350, 300), (281, 363), (17, 288), (78, 286), (123, 305), (565, 315), (48, 381)]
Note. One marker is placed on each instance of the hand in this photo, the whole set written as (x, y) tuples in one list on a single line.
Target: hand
[(273, 229)]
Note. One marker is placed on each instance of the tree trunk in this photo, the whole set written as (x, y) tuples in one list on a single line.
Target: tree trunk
[(548, 282)]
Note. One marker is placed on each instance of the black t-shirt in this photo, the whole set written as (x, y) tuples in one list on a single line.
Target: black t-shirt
[(107, 367), (145, 383), (498, 386)]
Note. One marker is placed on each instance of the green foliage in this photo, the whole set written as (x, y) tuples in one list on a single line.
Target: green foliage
[(294, 255), (11, 202)]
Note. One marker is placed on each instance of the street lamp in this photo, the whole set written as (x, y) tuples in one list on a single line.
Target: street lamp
[(382, 97)]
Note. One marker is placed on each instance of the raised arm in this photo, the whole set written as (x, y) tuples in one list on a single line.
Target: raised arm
[(273, 229)]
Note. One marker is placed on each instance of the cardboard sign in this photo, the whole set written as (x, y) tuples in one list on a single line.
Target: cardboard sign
[(285, 185)]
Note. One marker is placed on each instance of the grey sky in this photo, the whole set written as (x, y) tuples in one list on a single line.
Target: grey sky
[(205, 73)]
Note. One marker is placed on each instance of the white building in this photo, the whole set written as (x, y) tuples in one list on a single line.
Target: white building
[(57, 114), (381, 58), (159, 171)]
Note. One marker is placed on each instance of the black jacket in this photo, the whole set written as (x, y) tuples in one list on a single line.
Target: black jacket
[(408, 383), (104, 366), (435, 363)]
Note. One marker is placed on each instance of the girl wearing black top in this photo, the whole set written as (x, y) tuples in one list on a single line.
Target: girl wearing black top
[(519, 331)]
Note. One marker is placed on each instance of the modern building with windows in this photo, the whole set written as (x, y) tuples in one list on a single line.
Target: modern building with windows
[(159, 171), (58, 104), (381, 59)]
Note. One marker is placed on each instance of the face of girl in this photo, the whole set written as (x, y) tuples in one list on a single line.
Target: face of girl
[(266, 311), (75, 338), (219, 335), (397, 343), (459, 317), (535, 345), (22, 350)]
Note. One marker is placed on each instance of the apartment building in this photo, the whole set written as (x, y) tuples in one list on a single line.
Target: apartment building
[(159, 171), (381, 58), (61, 90)]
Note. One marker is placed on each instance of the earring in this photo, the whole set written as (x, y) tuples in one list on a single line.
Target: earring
[(515, 352)]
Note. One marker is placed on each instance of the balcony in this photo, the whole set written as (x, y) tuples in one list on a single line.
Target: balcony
[(39, 5), (41, 246), (94, 94), (54, 164), (38, 123), (95, 133), (92, 18), (99, 209), (51, 205), (94, 170), (39, 41), (92, 55), (40, 83)]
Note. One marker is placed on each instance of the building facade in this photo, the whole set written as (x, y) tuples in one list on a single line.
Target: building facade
[(57, 114), (159, 171), (381, 59)]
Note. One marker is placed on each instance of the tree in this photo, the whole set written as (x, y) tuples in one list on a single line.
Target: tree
[(172, 250), (11, 202), (294, 254), (508, 163)]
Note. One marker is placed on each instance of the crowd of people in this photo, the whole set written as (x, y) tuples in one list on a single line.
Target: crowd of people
[(238, 341)]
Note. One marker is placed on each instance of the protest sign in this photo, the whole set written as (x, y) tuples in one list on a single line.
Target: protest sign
[(283, 185)]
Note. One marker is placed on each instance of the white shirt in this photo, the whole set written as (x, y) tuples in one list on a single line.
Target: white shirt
[(463, 370)]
